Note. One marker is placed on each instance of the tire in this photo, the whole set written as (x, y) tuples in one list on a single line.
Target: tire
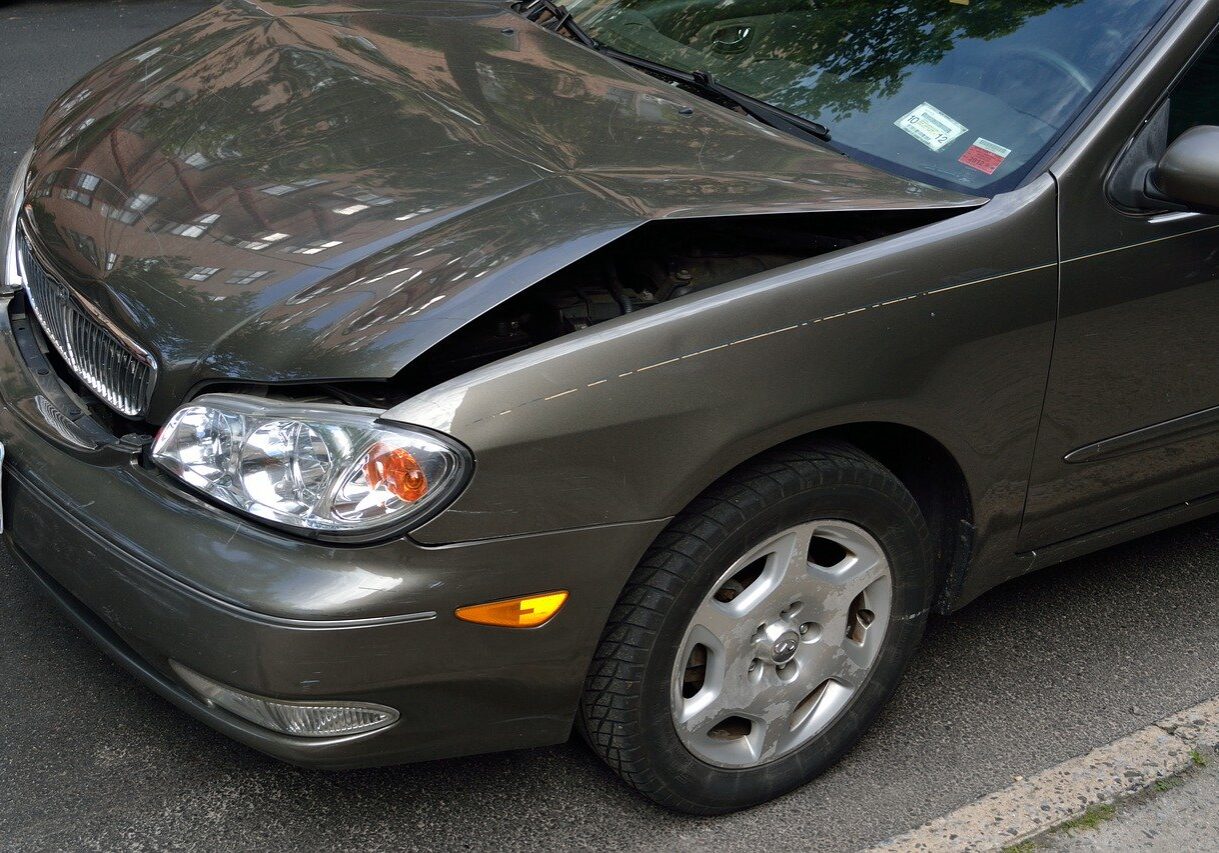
[(653, 700)]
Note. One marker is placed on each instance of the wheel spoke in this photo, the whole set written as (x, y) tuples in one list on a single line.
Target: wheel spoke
[(788, 579), (857, 561), (771, 713), (725, 684), (853, 575), (773, 736), (818, 708), (717, 621), (848, 665), (741, 691), (781, 570), (718, 628), (820, 590)]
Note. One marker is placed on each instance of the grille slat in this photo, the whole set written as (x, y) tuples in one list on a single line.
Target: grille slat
[(118, 371)]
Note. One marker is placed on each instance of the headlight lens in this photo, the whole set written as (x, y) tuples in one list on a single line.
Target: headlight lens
[(325, 468), (10, 277)]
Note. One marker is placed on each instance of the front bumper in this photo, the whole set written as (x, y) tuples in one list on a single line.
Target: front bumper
[(152, 574)]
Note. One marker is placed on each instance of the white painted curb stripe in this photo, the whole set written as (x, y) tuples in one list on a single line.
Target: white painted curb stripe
[(1061, 793)]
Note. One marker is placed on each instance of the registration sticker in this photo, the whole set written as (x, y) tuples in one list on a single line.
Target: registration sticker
[(985, 156), (930, 126)]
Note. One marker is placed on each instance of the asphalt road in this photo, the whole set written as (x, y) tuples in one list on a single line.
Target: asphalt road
[(1039, 670)]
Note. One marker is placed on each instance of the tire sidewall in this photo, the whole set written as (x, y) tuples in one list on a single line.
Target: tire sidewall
[(886, 518)]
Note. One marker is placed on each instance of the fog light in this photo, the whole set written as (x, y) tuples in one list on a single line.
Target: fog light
[(301, 719)]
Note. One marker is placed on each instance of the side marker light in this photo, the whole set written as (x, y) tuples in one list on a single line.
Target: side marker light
[(528, 611)]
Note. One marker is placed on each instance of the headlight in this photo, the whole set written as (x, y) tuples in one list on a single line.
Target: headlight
[(10, 277), (325, 468)]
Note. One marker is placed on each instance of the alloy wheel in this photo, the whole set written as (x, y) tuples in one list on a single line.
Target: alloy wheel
[(781, 643)]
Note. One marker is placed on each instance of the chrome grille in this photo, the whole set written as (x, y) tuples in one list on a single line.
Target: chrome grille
[(115, 368)]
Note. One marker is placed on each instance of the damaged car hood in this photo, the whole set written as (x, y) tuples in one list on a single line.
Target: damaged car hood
[(278, 193)]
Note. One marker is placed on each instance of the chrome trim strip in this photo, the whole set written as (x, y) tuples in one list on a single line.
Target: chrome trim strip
[(11, 279), (1163, 218), (1145, 438)]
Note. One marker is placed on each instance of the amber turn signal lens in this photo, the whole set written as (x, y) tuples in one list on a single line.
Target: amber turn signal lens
[(528, 611), (396, 470)]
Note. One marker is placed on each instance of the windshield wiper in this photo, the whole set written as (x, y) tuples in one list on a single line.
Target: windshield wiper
[(759, 109), (702, 83), (555, 17)]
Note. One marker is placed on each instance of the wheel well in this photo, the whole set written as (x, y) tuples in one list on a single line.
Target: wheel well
[(938, 485)]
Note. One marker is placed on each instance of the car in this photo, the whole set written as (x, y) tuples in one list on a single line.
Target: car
[(389, 382)]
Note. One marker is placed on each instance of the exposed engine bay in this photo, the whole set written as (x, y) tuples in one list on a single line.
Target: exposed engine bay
[(658, 262)]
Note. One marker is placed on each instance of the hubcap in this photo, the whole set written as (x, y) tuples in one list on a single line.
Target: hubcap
[(781, 644)]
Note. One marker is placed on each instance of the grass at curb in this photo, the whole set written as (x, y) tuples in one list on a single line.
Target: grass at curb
[(1097, 814), (1092, 818)]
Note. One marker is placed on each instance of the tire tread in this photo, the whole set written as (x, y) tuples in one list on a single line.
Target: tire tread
[(609, 712)]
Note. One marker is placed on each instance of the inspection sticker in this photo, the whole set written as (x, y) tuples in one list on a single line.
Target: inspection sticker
[(985, 156), (930, 126)]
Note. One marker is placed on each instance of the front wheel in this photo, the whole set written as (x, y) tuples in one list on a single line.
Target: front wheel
[(763, 632)]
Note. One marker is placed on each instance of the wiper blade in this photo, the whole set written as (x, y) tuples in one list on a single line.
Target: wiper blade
[(704, 84), (554, 16), (759, 109)]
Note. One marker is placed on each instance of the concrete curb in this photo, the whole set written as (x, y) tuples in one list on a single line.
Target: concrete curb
[(1032, 806)]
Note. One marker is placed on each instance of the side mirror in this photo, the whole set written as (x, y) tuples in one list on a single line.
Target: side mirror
[(1188, 174)]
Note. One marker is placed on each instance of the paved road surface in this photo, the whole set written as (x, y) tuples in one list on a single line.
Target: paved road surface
[(1038, 671)]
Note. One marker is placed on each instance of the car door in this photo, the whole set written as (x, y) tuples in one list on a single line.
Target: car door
[(1131, 419)]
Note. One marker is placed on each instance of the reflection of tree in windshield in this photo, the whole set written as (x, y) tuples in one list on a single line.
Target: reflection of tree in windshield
[(830, 58), (865, 50)]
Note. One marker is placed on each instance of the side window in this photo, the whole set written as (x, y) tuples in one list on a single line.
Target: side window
[(1195, 100)]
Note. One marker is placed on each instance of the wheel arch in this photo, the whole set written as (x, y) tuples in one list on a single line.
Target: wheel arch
[(935, 479), (929, 471)]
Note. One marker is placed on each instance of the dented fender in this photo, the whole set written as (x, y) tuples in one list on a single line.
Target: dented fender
[(946, 329)]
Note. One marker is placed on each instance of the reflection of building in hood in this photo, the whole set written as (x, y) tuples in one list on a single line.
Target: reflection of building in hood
[(331, 194)]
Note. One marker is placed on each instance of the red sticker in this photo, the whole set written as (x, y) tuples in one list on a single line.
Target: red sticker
[(985, 156)]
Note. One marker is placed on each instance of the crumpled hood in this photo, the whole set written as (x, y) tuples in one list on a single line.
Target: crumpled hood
[(284, 193)]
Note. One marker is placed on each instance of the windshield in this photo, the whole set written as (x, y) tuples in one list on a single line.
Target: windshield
[(958, 93)]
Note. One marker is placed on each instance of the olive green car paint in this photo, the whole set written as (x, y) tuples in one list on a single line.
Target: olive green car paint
[(467, 154)]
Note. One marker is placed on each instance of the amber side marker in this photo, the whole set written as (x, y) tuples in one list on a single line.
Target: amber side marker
[(528, 611)]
